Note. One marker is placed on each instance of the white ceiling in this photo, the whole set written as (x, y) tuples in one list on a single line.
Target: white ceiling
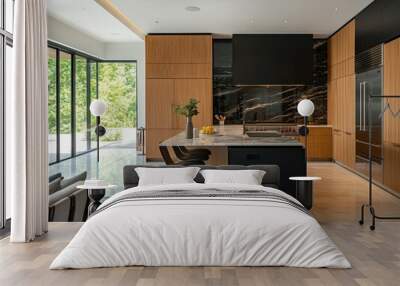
[(89, 17), (221, 17)]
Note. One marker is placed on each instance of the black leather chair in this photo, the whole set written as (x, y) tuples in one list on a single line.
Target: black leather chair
[(169, 161), (183, 154), (195, 151)]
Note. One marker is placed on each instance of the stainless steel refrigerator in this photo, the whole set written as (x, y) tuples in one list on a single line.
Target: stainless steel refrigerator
[(369, 81)]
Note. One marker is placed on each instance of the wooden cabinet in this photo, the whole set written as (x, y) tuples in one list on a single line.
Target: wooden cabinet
[(178, 67), (178, 71), (194, 88), (392, 68), (391, 147), (159, 103), (341, 94), (319, 143), (391, 166), (173, 49), (391, 129), (154, 137)]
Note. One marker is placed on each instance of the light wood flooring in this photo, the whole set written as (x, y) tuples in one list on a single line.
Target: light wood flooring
[(375, 256)]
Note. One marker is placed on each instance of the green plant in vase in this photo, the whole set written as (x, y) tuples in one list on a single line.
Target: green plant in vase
[(188, 110)]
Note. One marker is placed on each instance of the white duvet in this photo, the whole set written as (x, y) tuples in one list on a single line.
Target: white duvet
[(202, 232)]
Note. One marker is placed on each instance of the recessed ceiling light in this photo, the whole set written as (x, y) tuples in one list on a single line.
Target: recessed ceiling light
[(285, 21), (192, 8)]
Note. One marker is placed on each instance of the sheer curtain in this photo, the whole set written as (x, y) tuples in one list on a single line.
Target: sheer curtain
[(27, 123)]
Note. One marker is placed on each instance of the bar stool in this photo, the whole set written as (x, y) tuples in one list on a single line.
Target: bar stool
[(195, 151), (184, 154), (169, 161)]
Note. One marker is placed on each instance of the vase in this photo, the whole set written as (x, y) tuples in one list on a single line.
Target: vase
[(189, 128)]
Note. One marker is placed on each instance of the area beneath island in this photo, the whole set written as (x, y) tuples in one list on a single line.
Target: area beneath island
[(229, 146)]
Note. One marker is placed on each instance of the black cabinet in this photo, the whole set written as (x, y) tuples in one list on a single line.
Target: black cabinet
[(378, 23), (291, 161)]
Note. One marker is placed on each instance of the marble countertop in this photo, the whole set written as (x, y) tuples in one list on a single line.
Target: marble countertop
[(229, 136)]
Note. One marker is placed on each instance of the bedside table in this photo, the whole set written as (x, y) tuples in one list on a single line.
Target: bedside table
[(95, 194), (304, 190)]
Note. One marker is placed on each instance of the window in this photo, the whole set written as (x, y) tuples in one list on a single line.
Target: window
[(82, 114), (6, 43), (93, 96), (74, 82), (52, 104), (117, 87), (65, 106)]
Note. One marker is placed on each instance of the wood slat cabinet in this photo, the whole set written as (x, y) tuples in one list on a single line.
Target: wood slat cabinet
[(154, 137), (392, 68), (319, 143), (391, 147), (173, 49), (341, 94), (193, 88), (178, 67), (159, 103), (391, 165)]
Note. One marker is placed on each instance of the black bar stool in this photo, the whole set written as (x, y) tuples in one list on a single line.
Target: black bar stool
[(184, 154), (169, 161)]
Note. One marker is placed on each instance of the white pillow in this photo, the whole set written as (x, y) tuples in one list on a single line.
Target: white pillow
[(247, 177), (166, 176)]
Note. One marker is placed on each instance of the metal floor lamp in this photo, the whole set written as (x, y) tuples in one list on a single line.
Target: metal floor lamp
[(305, 108), (370, 201), (98, 108)]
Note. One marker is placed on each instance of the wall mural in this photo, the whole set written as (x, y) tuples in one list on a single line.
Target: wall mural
[(260, 104)]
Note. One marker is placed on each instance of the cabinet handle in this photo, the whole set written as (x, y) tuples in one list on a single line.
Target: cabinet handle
[(365, 111), (348, 133), (360, 109)]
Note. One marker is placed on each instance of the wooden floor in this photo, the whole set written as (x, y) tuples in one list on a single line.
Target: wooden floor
[(375, 256)]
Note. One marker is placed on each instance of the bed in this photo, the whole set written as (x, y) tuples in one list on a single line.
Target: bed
[(199, 224)]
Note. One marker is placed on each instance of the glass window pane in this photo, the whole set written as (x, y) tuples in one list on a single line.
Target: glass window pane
[(9, 15), (65, 106), (52, 105), (82, 135), (93, 96), (8, 90), (117, 87)]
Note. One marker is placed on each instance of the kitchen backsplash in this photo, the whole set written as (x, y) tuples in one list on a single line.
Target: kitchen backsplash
[(262, 104)]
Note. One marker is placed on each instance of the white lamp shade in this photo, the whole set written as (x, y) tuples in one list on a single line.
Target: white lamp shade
[(98, 107), (305, 107)]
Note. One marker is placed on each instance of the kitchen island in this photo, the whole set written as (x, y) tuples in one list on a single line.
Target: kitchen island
[(230, 146)]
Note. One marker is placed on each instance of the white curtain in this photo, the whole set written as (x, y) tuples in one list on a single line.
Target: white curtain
[(27, 123)]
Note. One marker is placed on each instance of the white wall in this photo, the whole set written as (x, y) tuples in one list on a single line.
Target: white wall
[(131, 51), (71, 37)]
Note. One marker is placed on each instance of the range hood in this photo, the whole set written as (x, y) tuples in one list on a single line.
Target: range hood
[(272, 59)]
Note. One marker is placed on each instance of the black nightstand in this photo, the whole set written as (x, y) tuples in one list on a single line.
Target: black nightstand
[(95, 194), (304, 190)]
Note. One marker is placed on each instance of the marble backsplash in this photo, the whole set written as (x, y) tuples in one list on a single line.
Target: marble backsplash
[(260, 104)]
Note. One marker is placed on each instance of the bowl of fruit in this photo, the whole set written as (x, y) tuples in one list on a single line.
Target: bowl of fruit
[(207, 130)]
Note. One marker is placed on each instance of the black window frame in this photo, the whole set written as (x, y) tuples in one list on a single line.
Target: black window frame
[(89, 59)]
